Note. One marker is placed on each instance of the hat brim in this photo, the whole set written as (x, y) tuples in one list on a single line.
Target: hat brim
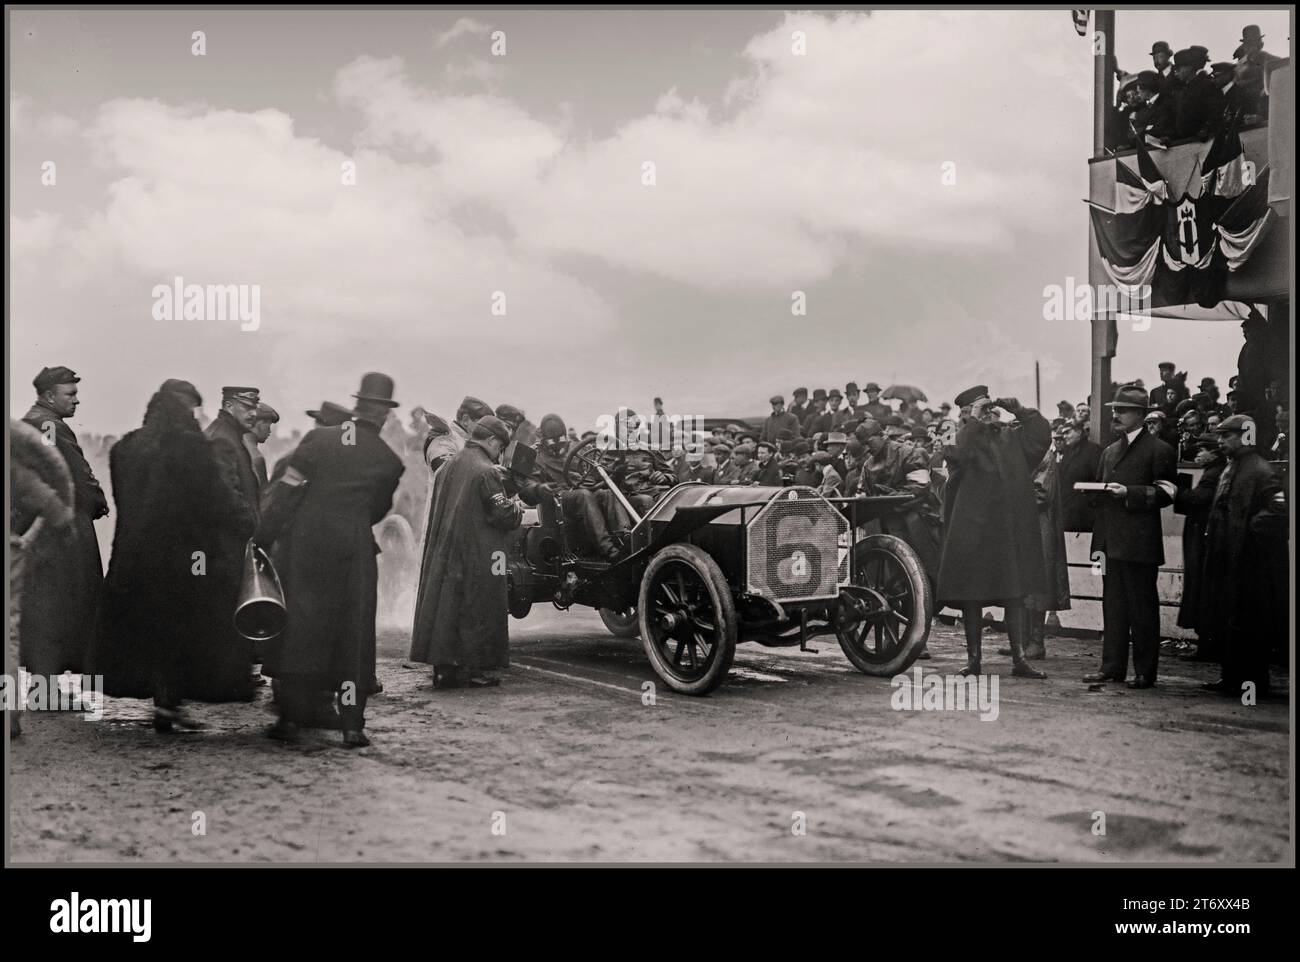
[(385, 401)]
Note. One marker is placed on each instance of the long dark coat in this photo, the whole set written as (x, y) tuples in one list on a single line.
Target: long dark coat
[(991, 550), (1194, 504), (1079, 462), (171, 502), (328, 572), (240, 476), (1239, 600), (63, 574), (1051, 535), (461, 609)]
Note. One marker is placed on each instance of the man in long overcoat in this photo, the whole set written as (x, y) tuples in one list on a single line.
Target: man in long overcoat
[(1077, 461), (338, 484), (164, 590), (64, 575), (1245, 542), (461, 623), (226, 432), (992, 554), (1140, 473)]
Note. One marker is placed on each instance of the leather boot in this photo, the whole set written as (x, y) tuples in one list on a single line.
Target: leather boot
[(973, 624), (1036, 640), (1017, 622)]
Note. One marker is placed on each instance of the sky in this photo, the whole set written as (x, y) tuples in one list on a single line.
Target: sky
[(912, 177)]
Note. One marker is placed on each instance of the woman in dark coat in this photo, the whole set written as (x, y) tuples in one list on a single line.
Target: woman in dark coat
[(992, 554), (461, 614), (162, 632)]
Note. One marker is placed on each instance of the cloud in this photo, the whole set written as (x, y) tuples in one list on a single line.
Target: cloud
[(809, 162), (465, 26)]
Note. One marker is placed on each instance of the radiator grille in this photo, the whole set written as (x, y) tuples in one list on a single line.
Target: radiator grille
[(797, 548)]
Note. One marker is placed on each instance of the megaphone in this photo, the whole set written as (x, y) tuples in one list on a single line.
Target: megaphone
[(260, 614)]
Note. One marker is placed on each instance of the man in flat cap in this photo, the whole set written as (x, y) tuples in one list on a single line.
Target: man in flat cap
[(1200, 102), (461, 617), (517, 422), (779, 420), (339, 483), (263, 420), (992, 554), (1140, 473), (1244, 571), (63, 575)]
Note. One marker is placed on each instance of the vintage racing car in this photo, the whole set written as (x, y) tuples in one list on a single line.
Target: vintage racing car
[(710, 566)]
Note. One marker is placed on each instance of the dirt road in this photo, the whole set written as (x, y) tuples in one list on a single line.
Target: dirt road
[(565, 761)]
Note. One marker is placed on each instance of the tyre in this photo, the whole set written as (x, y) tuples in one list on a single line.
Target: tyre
[(688, 619), (621, 624), (892, 595)]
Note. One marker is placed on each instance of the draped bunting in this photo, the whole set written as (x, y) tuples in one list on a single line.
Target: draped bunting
[(1182, 248)]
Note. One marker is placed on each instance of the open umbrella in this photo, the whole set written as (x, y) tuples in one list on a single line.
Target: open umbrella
[(905, 392)]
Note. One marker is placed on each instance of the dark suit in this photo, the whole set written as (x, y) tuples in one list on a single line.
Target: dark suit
[(1200, 109), (227, 435), (1127, 535), (1159, 119), (1078, 462)]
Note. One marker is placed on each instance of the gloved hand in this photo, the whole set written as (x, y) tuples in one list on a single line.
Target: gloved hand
[(1007, 404)]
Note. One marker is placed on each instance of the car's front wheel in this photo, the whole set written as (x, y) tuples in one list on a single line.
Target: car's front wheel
[(688, 619)]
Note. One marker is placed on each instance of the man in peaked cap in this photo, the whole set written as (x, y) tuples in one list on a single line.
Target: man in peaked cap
[(63, 576), (992, 553), (779, 420), (1200, 102), (339, 483), (461, 617), (1140, 473), (227, 433)]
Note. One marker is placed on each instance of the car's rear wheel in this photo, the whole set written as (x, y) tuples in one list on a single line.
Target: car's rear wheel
[(891, 605), (621, 624), (688, 619)]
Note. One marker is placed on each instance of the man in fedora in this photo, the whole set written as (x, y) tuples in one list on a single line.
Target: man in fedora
[(338, 484), (1140, 472), (461, 616)]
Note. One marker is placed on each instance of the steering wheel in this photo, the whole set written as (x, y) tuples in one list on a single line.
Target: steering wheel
[(580, 465)]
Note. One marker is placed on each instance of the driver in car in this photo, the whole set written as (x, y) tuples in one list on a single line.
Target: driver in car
[(581, 506)]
